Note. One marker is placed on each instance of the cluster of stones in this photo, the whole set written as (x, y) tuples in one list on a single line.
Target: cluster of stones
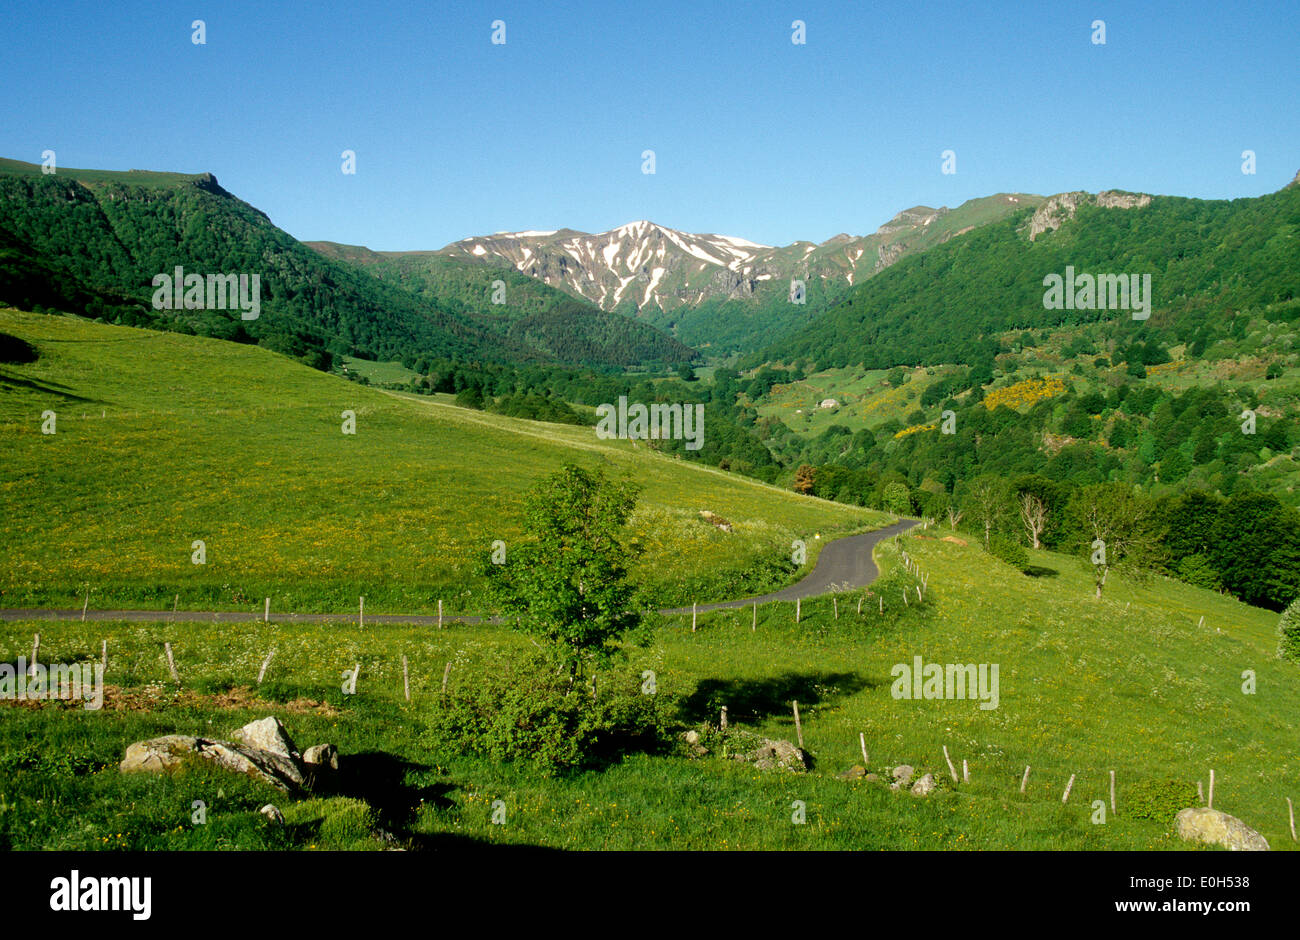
[(261, 749)]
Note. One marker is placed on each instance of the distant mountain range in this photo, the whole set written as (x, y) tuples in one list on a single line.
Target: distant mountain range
[(929, 286), (642, 264)]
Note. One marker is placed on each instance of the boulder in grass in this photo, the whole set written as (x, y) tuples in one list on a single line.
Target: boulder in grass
[(776, 755), (856, 772), (267, 734), (321, 757), (902, 775), (924, 786), (1202, 824), (264, 751)]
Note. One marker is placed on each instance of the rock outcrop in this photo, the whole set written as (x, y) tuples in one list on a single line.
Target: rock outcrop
[(262, 750), (1201, 824)]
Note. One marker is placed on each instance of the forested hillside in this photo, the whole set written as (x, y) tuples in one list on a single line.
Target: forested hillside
[(90, 242), (529, 314)]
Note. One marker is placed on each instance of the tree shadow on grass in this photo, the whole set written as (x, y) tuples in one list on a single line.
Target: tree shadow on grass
[(1038, 571), (13, 382), (380, 779), (752, 700)]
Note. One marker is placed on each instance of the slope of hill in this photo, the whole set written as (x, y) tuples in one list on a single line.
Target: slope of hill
[(162, 439), (1206, 260), (719, 291), (1136, 684), (529, 313), (91, 242)]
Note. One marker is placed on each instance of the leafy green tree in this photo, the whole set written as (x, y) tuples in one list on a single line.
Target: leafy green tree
[(898, 499), (989, 504), (1116, 527), (567, 584)]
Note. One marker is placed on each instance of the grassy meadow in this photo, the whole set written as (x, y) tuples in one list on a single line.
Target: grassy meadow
[(163, 439), (1132, 683)]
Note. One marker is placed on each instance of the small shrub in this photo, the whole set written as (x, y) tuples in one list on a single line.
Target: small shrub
[(1159, 799), (1288, 631), (528, 712), (1010, 551)]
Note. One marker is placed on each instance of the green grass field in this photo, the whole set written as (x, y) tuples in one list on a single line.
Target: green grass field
[(1130, 684), (163, 439)]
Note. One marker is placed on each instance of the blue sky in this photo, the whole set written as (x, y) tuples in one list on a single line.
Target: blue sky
[(754, 136)]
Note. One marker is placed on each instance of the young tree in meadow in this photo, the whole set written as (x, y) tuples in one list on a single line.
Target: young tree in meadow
[(1034, 516), (567, 583), (1117, 527), (989, 503)]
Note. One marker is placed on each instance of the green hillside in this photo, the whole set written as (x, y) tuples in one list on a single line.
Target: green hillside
[(1207, 260), (1134, 684), (162, 439), (91, 242)]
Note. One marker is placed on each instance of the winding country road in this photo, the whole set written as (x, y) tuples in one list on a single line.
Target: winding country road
[(844, 564)]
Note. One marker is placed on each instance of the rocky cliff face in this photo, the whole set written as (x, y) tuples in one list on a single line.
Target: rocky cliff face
[(1062, 207)]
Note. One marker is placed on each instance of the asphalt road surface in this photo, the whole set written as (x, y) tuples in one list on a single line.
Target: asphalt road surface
[(843, 565)]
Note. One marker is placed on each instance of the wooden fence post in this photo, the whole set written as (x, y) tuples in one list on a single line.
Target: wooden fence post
[(85, 605), (406, 680), (439, 613), (722, 722), (695, 613), (836, 601), (1112, 791), (1025, 779), (445, 673), (171, 663), (103, 654), (798, 727), (1290, 812), (266, 614), (36, 652), (1210, 803), (754, 624), (361, 614), (965, 771), (1065, 797), (261, 673), (862, 743), (951, 769), (797, 608)]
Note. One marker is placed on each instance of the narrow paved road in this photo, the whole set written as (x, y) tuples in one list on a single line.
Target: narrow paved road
[(843, 565)]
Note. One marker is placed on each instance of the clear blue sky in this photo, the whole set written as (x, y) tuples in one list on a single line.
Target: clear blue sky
[(754, 136)]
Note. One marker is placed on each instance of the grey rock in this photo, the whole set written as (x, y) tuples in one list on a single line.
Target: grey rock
[(1210, 826), (776, 755), (902, 774), (268, 734), (924, 786), (856, 772), (321, 756), (171, 751), (271, 812), (872, 778)]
